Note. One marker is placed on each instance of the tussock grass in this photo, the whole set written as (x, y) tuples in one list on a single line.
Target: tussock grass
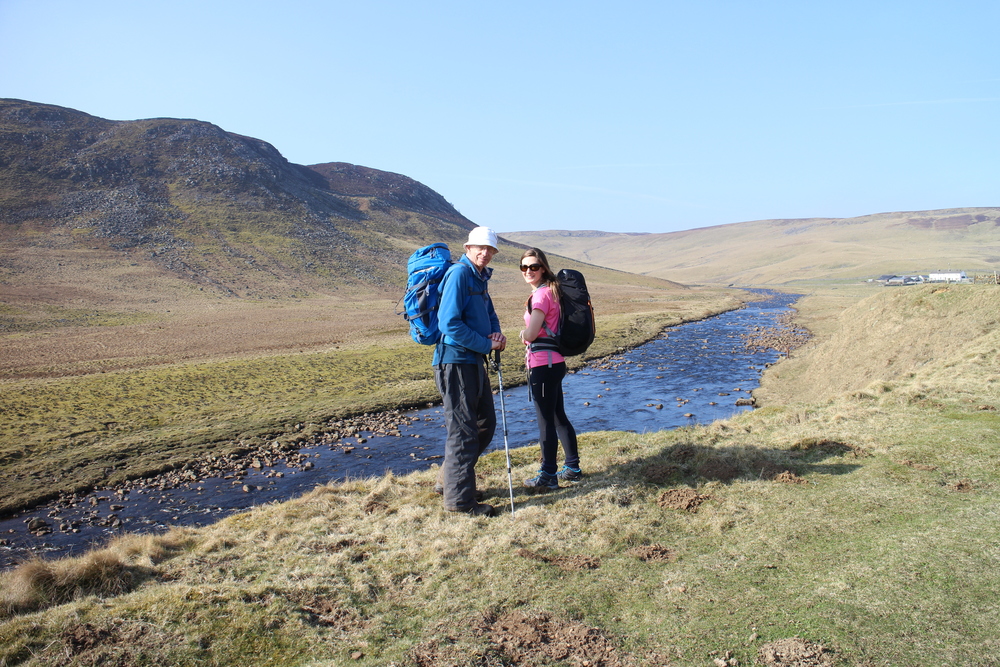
[(116, 569)]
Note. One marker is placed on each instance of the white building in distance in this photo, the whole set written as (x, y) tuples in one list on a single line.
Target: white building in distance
[(948, 277)]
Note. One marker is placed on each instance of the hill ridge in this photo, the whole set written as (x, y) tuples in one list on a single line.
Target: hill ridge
[(783, 251)]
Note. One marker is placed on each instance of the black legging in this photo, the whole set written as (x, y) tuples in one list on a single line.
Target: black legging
[(553, 425)]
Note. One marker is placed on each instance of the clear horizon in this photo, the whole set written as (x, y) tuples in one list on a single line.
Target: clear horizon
[(648, 117)]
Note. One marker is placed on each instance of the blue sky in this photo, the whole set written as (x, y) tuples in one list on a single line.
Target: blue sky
[(626, 116)]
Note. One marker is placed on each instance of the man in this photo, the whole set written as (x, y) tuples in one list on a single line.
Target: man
[(470, 330)]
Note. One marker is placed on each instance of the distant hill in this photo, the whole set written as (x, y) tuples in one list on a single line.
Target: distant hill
[(784, 251), (206, 207)]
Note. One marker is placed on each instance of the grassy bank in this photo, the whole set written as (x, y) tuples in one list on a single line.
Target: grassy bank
[(856, 529), (73, 433)]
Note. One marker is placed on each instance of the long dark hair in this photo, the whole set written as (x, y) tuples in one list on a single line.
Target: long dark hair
[(548, 277)]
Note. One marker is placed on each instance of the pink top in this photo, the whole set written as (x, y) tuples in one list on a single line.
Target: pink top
[(543, 300)]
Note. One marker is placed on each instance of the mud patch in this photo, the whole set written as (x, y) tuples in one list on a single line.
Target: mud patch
[(681, 499), (653, 553), (795, 652), (568, 563), (789, 477)]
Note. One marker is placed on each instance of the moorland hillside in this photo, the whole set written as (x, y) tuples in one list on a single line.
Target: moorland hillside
[(135, 243), (200, 206), (777, 252)]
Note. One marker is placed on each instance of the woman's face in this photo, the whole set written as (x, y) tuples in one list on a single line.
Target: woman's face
[(532, 270)]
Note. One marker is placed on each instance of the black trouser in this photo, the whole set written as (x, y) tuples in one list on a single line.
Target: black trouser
[(471, 421), (553, 425)]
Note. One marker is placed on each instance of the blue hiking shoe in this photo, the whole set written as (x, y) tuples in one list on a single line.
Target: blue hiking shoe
[(544, 481), (568, 474)]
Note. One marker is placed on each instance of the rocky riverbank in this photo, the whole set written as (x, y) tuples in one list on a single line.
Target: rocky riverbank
[(272, 457)]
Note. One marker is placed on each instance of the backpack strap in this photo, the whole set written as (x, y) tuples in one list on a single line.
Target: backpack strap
[(546, 343)]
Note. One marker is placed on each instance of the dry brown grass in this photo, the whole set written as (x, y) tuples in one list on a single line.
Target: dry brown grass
[(779, 252), (893, 336), (116, 569), (58, 317)]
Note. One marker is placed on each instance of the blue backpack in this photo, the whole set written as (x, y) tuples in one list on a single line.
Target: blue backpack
[(425, 269)]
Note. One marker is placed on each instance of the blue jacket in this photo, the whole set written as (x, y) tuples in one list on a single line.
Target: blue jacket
[(466, 316)]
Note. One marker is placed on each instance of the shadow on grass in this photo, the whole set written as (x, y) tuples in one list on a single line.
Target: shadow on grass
[(687, 465)]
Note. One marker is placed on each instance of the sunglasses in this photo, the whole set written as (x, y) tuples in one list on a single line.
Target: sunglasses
[(531, 267)]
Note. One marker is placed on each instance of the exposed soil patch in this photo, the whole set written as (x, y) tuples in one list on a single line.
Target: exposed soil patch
[(828, 447), (327, 613), (681, 499), (658, 473), (917, 466), (568, 563), (373, 506), (653, 553), (719, 469), (682, 453), (795, 652), (536, 639), (121, 645), (521, 638), (789, 477), (962, 486), (332, 547), (765, 469)]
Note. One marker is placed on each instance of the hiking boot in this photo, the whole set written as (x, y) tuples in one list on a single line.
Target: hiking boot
[(479, 509), (478, 495), (544, 481), (568, 474)]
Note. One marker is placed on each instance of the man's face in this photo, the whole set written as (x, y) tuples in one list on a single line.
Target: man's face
[(480, 255)]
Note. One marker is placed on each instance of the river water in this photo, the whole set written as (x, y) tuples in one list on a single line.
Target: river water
[(693, 373)]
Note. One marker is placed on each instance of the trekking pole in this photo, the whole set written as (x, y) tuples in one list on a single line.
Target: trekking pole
[(503, 413)]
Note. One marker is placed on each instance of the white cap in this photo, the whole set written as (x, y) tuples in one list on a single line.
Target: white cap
[(483, 236)]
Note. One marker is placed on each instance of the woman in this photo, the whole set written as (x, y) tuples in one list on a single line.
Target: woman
[(546, 369)]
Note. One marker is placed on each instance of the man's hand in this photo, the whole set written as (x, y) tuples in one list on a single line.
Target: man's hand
[(499, 341)]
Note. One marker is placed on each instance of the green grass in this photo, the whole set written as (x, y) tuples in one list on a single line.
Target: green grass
[(20, 319)]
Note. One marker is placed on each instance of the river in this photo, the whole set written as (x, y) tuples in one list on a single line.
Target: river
[(693, 373)]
